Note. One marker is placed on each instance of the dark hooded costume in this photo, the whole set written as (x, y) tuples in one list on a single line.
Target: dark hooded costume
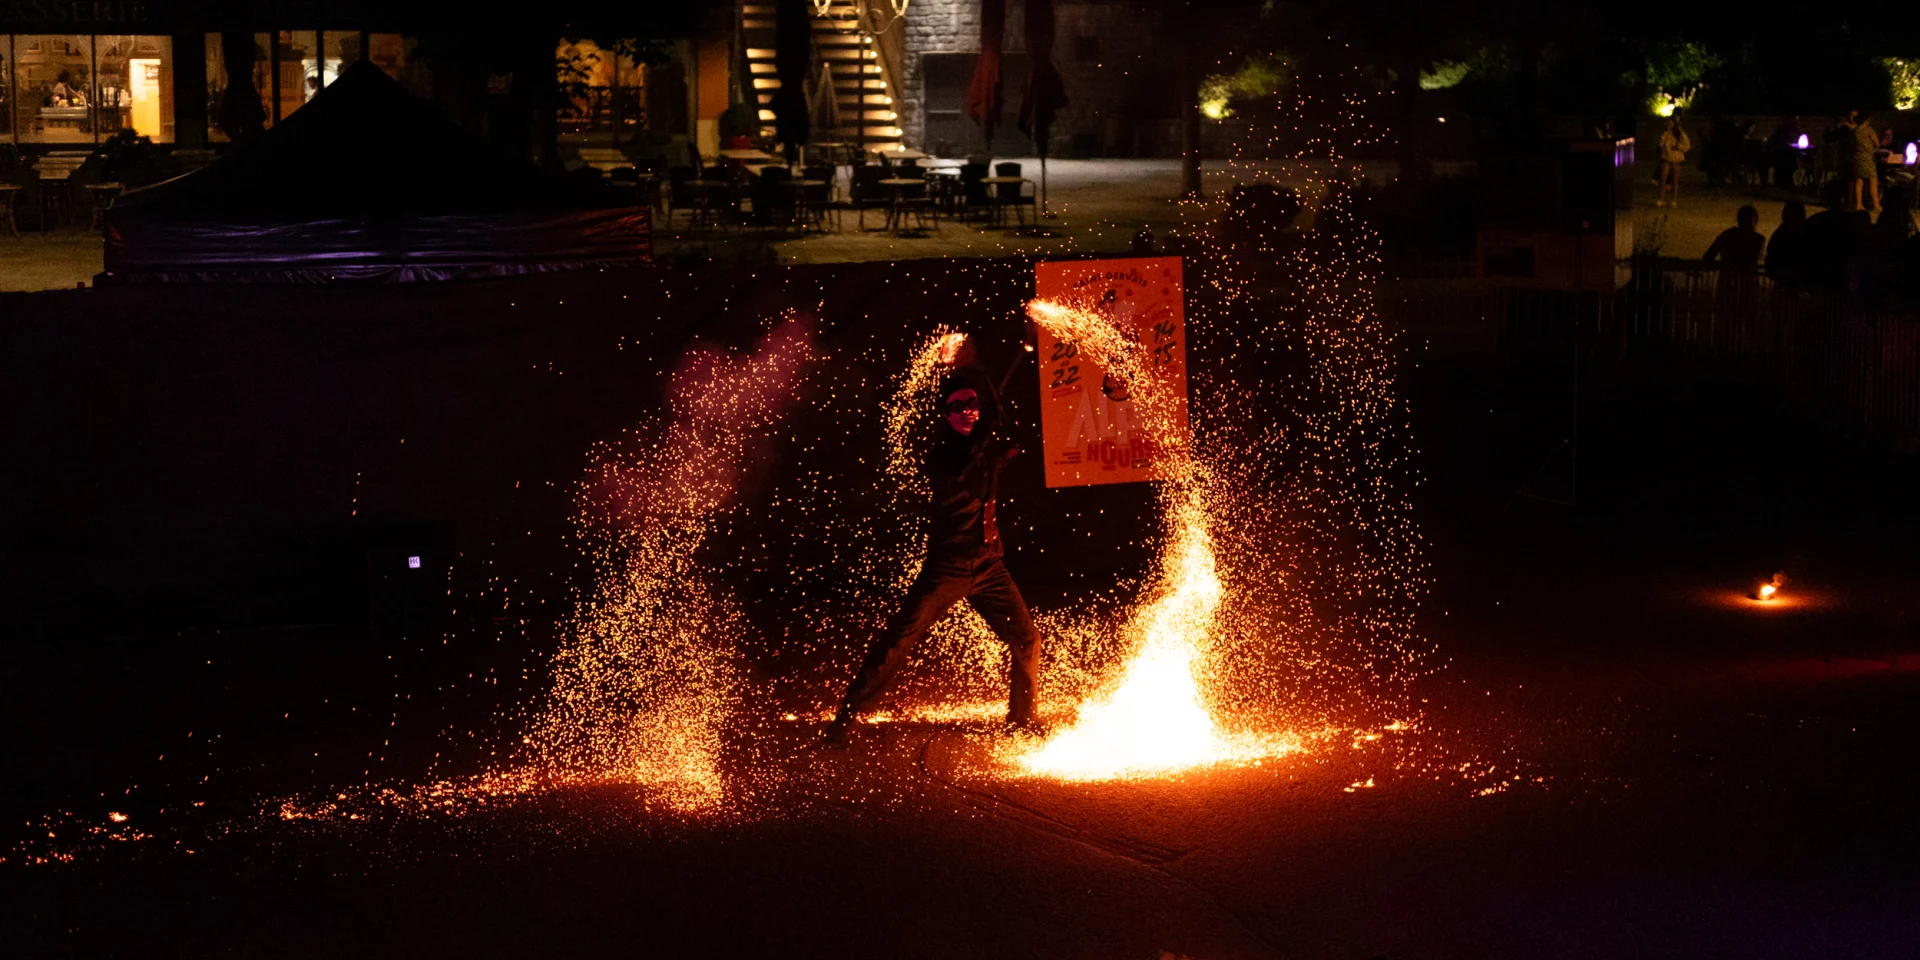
[(963, 562)]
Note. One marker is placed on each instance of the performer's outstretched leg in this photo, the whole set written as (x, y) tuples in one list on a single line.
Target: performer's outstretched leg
[(941, 584), (1000, 604)]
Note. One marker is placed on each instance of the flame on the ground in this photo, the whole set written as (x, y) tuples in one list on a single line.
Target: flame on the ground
[(1154, 720)]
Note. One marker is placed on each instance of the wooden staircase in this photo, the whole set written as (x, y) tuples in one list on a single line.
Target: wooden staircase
[(851, 96)]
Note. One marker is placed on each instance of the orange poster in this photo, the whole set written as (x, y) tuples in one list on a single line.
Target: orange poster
[(1089, 429)]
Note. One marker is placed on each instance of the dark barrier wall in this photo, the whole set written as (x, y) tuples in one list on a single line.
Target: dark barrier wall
[(192, 457)]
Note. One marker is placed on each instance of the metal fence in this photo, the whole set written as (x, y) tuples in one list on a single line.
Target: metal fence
[(1855, 364)]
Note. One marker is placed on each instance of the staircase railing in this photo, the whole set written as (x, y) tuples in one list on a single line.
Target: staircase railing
[(820, 87), (889, 42)]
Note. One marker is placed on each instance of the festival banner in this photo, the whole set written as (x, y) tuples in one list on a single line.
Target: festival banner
[(1090, 430)]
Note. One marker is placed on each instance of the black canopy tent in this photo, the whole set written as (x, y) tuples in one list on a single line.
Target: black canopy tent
[(366, 182)]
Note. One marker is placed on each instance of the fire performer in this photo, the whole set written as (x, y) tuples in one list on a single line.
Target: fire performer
[(964, 554)]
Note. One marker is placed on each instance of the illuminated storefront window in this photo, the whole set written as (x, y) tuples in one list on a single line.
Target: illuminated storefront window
[(135, 88), (390, 52), (53, 74), (299, 71), (604, 87), (6, 89), (257, 71)]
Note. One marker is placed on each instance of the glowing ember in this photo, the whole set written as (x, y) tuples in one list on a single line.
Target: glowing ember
[(1771, 589)]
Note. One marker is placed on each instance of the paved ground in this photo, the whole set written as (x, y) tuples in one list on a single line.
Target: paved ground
[(1731, 784), (1099, 206), (1686, 230), (1621, 756), (36, 262)]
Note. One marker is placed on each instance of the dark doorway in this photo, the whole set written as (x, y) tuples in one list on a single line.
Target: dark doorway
[(946, 130)]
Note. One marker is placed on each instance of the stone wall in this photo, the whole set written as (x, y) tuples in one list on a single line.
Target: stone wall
[(933, 26), (1107, 52)]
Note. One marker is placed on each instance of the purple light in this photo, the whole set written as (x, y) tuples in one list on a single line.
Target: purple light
[(1913, 154), (413, 563), (1803, 143)]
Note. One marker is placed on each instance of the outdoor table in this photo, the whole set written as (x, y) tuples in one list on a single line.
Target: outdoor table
[(893, 206), (903, 153), (741, 155), (999, 209)]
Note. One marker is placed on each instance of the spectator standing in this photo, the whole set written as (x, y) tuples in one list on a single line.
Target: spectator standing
[(1717, 154), (1857, 144), (1673, 152), (1785, 148)]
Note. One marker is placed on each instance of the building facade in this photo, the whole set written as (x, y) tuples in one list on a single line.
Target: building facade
[(675, 80), (1119, 86), (195, 73)]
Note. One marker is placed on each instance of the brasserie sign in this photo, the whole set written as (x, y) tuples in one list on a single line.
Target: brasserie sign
[(75, 12)]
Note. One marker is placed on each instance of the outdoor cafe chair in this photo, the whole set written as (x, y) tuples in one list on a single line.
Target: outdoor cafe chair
[(865, 190), (773, 198), (629, 179), (719, 195), (974, 196), (680, 194), (817, 200), (1018, 196), (9, 204)]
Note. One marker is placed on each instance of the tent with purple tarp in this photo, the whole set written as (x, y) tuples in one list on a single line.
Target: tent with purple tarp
[(367, 182)]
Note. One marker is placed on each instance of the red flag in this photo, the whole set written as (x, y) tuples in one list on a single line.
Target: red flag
[(1044, 94), (984, 98)]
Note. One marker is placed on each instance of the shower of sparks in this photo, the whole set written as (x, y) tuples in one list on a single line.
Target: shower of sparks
[(648, 681), (1154, 720), (1278, 611)]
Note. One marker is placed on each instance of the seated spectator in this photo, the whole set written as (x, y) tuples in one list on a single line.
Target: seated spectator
[(1737, 249), (1834, 239), (1787, 248)]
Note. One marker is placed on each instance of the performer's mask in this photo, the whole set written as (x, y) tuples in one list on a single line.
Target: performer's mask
[(963, 410)]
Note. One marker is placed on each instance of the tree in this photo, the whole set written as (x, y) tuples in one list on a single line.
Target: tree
[(1204, 32)]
